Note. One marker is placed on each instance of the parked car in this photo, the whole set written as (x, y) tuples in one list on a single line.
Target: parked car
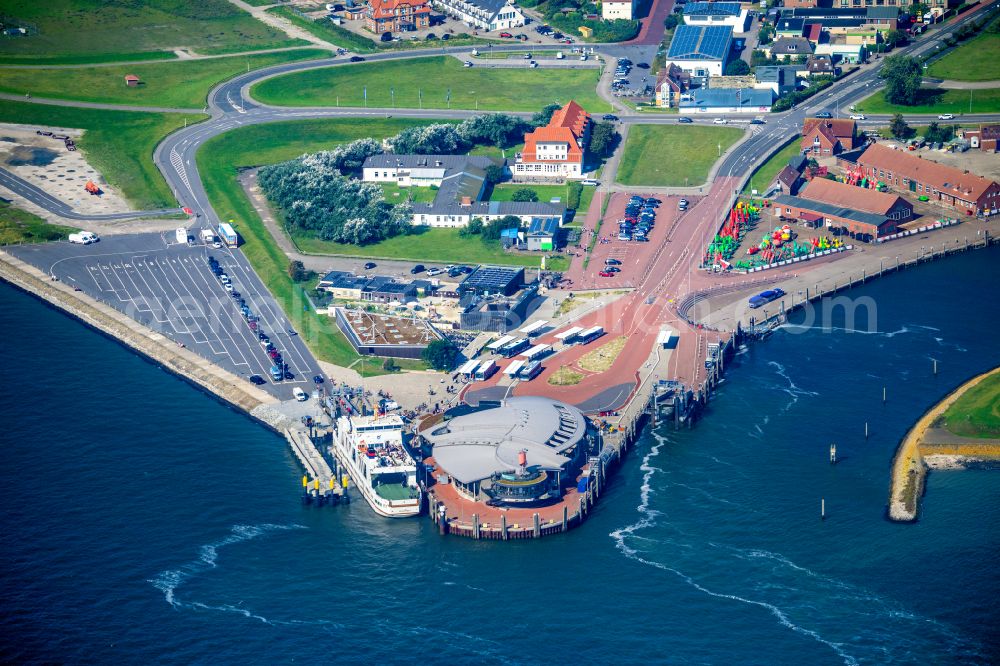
[(370, 265), (643, 65), (606, 274), (533, 64), (467, 63), (684, 119), (257, 380), (385, 37), (527, 56), (506, 35), (419, 268), (612, 262)]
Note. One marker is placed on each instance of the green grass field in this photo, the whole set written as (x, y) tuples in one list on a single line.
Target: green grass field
[(770, 169), (505, 192), (19, 226), (396, 194), (177, 84), (671, 155), (969, 62), (266, 144), (977, 412), (986, 100), (426, 81), (105, 30), (425, 245), (119, 144)]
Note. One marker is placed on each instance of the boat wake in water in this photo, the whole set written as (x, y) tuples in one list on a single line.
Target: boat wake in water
[(857, 625)]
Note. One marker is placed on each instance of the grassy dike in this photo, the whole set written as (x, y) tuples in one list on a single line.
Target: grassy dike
[(426, 82), (218, 161), (908, 468), (179, 83), (119, 144)]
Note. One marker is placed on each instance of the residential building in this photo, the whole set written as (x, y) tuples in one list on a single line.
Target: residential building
[(612, 10), (788, 180), (789, 48), (729, 100), (789, 26), (488, 15), (671, 83), (716, 14), (796, 4), (890, 206), (813, 32), (397, 15), (905, 172), (985, 138), (555, 151), (839, 219), (460, 213), (820, 65), (466, 172), (701, 51), (780, 79), (375, 289), (840, 18), (828, 136)]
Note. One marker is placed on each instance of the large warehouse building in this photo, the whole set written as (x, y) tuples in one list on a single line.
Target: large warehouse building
[(521, 453)]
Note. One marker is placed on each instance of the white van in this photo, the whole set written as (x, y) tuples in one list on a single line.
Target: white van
[(590, 182), (83, 238), (299, 394)]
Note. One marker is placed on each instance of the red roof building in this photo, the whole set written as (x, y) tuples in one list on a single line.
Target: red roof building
[(836, 193), (131, 80), (397, 15), (904, 172), (557, 149), (828, 136)]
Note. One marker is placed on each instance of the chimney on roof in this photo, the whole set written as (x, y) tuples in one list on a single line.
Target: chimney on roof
[(438, 162), (466, 201)]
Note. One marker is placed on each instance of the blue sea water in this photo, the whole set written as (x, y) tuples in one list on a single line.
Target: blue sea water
[(143, 520)]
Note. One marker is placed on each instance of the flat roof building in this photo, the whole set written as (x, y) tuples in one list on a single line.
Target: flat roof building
[(493, 280), (518, 454), (702, 51), (385, 335)]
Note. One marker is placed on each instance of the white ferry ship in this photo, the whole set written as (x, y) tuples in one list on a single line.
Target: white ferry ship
[(371, 448)]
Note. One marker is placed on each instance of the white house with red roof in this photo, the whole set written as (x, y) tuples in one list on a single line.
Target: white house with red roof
[(555, 151)]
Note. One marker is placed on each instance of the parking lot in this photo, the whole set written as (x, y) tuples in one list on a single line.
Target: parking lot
[(169, 287), (634, 255)]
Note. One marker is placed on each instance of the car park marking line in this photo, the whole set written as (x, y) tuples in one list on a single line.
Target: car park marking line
[(222, 304)]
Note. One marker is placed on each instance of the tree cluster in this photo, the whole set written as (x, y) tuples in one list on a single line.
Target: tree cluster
[(575, 193), (440, 355), (604, 138), (938, 134), (497, 129), (902, 75), (737, 68), (899, 129), (316, 196)]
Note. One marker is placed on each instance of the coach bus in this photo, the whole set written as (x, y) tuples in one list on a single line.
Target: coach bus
[(486, 370), (588, 336), (530, 371), (514, 348)]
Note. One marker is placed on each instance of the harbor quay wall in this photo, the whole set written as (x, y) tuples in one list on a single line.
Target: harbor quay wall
[(909, 471)]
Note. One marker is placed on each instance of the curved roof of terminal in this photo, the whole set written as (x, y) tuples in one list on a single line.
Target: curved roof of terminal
[(477, 445)]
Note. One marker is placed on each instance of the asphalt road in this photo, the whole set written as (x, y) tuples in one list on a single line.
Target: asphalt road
[(169, 288)]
